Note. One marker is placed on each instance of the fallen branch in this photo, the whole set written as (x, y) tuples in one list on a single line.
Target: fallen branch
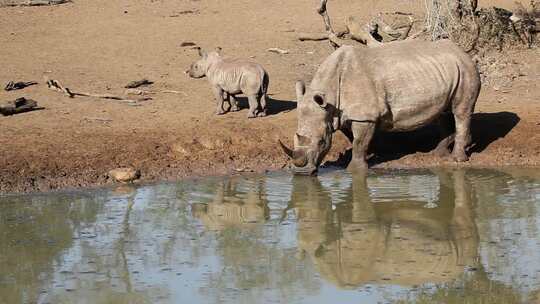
[(278, 51), (312, 36), (10, 86), (138, 83), (332, 37), (359, 34), (372, 35), (303, 36), (391, 33), (19, 105), (100, 119), (173, 92), (37, 3), (57, 86)]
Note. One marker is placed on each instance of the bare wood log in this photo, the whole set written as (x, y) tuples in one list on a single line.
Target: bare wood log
[(278, 51), (174, 92), (312, 36), (332, 37), (138, 83), (57, 86), (10, 86), (359, 34), (390, 33), (36, 3), (413, 36), (19, 105)]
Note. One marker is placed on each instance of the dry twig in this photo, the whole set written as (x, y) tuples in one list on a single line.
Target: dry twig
[(10, 86), (57, 86), (19, 105), (278, 51)]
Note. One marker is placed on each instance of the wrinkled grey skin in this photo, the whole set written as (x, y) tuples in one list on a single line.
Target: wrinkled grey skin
[(229, 77), (399, 86)]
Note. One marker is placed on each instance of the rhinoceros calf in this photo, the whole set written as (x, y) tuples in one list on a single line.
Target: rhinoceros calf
[(229, 77), (399, 86)]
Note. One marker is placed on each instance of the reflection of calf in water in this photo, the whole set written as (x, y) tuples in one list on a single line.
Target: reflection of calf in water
[(232, 206), (392, 242)]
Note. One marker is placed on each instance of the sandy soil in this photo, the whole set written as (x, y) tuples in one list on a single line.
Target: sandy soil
[(99, 46)]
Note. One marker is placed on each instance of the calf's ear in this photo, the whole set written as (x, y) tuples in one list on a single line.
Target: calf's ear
[(202, 53), (300, 90), (218, 50)]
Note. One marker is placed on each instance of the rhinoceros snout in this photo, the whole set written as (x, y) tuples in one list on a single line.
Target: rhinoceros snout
[(307, 170)]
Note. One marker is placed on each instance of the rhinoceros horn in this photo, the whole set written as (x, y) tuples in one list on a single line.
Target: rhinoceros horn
[(298, 157)]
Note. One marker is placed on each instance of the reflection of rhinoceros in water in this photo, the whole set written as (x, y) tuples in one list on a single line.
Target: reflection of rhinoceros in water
[(232, 207), (396, 243)]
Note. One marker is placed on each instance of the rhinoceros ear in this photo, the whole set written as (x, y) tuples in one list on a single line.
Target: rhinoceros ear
[(218, 50), (320, 99)]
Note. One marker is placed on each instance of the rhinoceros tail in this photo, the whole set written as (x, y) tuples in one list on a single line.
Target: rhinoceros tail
[(264, 91), (265, 84)]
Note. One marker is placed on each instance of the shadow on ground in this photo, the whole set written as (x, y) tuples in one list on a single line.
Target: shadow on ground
[(485, 128), (274, 106)]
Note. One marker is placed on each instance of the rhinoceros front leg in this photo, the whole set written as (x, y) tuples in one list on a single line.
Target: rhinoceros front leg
[(362, 135), (218, 92)]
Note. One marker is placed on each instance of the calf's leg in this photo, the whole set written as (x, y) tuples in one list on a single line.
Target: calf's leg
[(218, 92), (362, 135)]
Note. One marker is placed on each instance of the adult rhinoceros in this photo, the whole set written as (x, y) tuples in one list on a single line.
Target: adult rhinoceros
[(399, 86)]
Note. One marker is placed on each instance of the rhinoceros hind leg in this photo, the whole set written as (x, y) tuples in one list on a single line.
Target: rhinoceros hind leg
[(362, 133), (263, 104), (447, 133), (463, 137), (253, 105)]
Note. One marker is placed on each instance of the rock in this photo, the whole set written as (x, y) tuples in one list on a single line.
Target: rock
[(125, 175)]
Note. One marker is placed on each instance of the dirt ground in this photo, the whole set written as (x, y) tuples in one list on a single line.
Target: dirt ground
[(99, 46)]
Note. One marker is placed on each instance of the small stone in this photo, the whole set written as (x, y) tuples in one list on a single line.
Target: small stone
[(125, 175)]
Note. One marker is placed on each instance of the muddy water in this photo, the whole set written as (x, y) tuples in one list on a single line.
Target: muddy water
[(398, 236)]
